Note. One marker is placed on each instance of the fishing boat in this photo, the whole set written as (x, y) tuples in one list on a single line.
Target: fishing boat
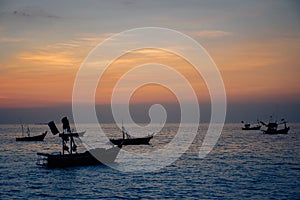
[(247, 126), (130, 140), (272, 127), (69, 157), (30, 138)]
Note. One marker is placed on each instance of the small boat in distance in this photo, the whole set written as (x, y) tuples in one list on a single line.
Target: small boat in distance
[(69, 157), (30, 138), (272, 127), (248, 126), (130, 140)]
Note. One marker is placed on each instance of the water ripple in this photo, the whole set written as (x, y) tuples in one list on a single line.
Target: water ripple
[(243, 164)]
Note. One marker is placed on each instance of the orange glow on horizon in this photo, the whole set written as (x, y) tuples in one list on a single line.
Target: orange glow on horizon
[(264, 71), (149, 94)]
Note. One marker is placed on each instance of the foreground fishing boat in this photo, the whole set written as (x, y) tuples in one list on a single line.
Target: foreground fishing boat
[(129, 140), (69, 157), (93, 157), (28, 137), (248, 126), (272, 127)]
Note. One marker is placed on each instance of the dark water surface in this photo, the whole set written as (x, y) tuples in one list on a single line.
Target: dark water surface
[(243, 164)]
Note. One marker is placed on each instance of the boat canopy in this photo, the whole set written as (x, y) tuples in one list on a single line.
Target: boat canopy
[(272, 125)]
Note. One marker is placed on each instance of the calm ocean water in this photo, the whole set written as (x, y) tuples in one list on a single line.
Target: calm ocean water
[(243, 164)]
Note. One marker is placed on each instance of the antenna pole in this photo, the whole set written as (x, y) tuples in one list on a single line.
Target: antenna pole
[(22, 130), (71, 145), (123, 132), (63, 145)]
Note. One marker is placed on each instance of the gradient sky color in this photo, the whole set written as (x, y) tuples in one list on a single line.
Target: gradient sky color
[(255, 45)]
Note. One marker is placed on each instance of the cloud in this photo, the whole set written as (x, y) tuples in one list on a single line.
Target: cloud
[(34, 12), (94, 38), (10, 40), (28, 12), (62, 54), (211, 33), (50, 58)]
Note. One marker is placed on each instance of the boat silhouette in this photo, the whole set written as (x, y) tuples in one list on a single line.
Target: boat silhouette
[(28, 137), (247, 126), (130, 140), (272, 127), (69, 157)]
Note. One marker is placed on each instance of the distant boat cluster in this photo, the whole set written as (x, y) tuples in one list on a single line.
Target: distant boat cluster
[(272, 127)]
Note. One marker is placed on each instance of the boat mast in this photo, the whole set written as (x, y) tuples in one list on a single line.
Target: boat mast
[(63, 145), (123, 132), (28, 131), (22, 127), (68, 137)]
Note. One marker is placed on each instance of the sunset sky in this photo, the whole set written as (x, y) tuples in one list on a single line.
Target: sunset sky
[(255, 44)]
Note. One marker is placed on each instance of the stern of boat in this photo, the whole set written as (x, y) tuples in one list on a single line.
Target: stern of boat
[(42, 159)]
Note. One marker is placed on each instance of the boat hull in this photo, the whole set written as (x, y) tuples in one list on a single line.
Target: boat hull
[(33, 138), (131, 141), (251, 128), (274, 132), (94, 157)]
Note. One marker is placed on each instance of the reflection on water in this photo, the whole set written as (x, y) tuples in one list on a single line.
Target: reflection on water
[(243, 164)]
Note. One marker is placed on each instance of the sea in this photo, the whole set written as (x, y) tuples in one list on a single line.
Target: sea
[(242, 165)]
